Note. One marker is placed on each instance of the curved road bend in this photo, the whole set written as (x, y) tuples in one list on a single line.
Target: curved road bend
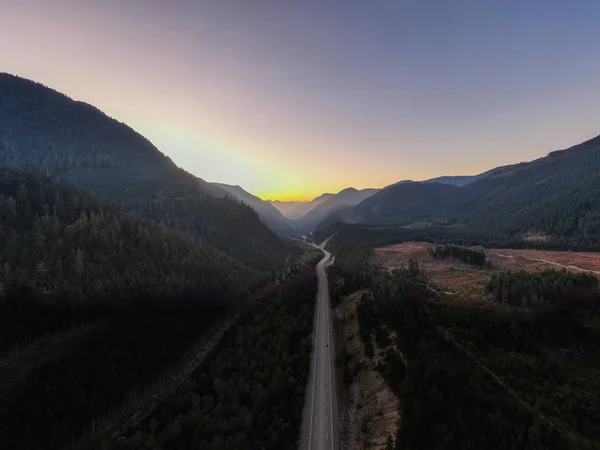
[(321, 431)]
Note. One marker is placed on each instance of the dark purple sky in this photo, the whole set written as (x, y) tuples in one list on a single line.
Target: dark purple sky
[(292, 98)]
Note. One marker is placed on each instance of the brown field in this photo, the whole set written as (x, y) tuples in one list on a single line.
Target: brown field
[(467, 282), (576, 261)]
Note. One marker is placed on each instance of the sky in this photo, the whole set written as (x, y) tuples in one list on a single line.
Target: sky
[(289, 99)]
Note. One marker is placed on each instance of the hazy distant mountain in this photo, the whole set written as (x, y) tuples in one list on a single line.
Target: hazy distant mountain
[(557, 195), (286, 208), (349, 197), (267, 212), (46, 130), (302, 208)]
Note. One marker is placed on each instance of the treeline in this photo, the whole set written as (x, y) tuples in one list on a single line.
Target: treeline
[(543, 288), (377, 236), (472, 235), (465, 254), (250, 393)]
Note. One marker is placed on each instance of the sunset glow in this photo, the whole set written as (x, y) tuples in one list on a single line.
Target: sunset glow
[(292, 99)]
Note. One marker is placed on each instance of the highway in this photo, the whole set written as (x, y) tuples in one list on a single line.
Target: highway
[(320, 427)]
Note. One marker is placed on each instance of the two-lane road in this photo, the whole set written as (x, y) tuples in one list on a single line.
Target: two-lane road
[(321, 433)]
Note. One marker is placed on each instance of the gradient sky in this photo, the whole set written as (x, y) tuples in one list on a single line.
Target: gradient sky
[(291, 98)]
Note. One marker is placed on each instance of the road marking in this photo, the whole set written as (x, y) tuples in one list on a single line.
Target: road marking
[(312, 403), (331, 418), (322, 378)]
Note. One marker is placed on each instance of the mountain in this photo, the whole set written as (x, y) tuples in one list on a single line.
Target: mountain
[(406, 202), (338, 215), (349, 196), (286, 208), (557, 196), (43, 129), (304, 207), (265, 210), (59, 240)]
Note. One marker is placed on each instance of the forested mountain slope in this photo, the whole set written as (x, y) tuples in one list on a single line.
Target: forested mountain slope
[(45, 129), (557, 195), (337, 216), (406, 202), (265, 210), (74, 141), (59, 241)]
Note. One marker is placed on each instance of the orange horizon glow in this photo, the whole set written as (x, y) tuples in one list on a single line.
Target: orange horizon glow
[(308, 195), (289, 197)]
